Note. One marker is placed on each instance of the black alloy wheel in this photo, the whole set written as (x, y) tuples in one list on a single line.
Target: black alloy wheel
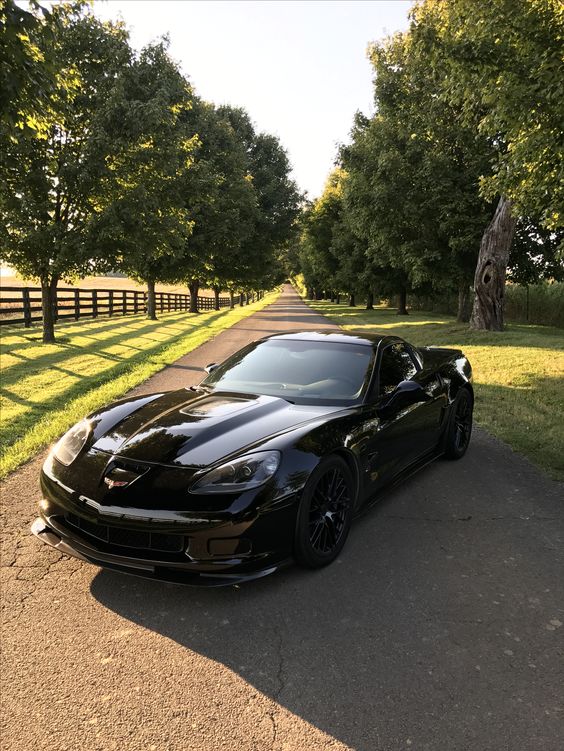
[(325, 514), (460, 428)]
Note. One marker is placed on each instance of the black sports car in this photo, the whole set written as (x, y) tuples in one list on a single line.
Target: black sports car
[(267, 460)]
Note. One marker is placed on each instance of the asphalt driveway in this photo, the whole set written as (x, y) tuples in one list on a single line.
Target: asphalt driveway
[(440, 627)]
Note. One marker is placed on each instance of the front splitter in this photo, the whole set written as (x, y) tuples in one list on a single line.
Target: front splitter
[(177, 575)]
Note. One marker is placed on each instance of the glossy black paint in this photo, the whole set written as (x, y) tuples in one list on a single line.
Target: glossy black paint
[(159, 444)]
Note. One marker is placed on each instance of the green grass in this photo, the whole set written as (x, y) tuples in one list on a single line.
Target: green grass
[(45, 388), (518, 374)]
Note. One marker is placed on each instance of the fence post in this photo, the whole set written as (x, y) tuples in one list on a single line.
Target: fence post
[(94, 303), (26, 307), (76, 304), (111, 303), (124, 303), (135, 301)]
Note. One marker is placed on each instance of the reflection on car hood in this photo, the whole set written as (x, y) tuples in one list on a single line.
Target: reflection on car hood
[(186, 429)]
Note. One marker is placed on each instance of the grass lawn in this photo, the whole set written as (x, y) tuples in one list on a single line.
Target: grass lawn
[(46, 388), (518, 374)]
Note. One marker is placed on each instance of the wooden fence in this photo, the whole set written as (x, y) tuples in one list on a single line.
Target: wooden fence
[(23, 304)]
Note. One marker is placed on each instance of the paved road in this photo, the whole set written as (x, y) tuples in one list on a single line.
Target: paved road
[(439, 628)]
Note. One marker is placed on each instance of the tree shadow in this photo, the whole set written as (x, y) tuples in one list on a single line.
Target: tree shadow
[(396, 639), (38, 409), (98, 347)]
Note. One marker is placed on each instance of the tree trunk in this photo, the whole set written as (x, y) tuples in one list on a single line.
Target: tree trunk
[(370, 301), (194, 288), (48, 300), (352, 301), (489, 281), (216, 298), (464, 306), (317, 294), (402, 302), (338, 298), (231, 299), (151, 300)]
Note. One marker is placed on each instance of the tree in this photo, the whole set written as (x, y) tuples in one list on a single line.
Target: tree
[(412, 192), (145, 227), (504, 58), (220, 201), (536, 253), (277, 199), (50, 191), (332, 257)]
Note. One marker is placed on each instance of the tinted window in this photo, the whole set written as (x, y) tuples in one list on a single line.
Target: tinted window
[(310, 371), (396, 365)]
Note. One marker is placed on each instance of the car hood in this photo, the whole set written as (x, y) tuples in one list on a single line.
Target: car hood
[(182, 428)]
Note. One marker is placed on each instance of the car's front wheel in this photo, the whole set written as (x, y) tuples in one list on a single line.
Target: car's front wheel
[(460, 426), (325, 513)]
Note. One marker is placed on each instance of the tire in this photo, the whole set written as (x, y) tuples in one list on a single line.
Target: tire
[(325, 513), (459, 429)]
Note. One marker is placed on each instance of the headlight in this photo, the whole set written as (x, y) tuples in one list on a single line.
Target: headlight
[(244, 473), (71, 444)]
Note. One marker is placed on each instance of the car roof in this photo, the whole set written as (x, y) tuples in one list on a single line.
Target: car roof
[(334, 335)]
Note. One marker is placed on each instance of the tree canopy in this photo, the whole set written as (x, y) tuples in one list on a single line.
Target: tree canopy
[(110, 160), (468, 117)]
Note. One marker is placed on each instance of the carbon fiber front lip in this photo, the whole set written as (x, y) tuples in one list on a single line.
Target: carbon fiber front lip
[(174, 572)]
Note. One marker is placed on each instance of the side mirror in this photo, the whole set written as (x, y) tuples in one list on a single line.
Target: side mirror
[(211, 367), (405, 393)]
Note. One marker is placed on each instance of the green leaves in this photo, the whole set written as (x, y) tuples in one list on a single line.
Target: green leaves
[(110, 161), (469, 105)]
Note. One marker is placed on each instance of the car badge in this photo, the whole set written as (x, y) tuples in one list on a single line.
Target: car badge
[(115, 483)]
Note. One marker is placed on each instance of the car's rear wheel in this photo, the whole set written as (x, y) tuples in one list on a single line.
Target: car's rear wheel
[(325, 514), (460, 426)]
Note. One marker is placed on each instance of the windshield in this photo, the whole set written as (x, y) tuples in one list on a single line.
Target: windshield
[(297, 370)]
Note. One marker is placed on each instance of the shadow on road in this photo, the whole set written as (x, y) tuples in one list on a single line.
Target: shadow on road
[(432, 630)]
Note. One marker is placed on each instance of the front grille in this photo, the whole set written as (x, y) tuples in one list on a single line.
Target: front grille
[(128, 538)]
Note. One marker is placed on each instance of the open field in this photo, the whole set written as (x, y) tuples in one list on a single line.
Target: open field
[(518, 374), (104, 282), (47, 388)]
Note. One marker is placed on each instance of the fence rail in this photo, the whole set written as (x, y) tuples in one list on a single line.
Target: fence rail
[(75, 303)]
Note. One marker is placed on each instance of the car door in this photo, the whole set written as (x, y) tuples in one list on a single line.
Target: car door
[(400, 436)]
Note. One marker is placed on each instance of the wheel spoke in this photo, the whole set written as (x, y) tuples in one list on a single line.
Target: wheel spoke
[(316, 533), (331, 532), (329, 506)]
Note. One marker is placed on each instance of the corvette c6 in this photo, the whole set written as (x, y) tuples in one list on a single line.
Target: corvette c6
[(267, 461)]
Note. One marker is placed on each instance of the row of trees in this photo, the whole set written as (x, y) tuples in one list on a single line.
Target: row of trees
[(458, 175), (110, 160)]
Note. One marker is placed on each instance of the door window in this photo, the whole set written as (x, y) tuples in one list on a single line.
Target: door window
[(396, 365)]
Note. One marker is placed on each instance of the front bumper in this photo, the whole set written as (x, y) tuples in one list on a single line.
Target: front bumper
[(175, 539), (185, 549), (209, 573)]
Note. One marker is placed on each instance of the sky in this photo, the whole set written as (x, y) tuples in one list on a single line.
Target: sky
[(299, 68)]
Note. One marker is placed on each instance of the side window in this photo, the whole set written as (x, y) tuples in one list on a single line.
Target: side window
[(396, 365)]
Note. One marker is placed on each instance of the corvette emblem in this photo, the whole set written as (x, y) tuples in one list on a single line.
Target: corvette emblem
[(115, 483)]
